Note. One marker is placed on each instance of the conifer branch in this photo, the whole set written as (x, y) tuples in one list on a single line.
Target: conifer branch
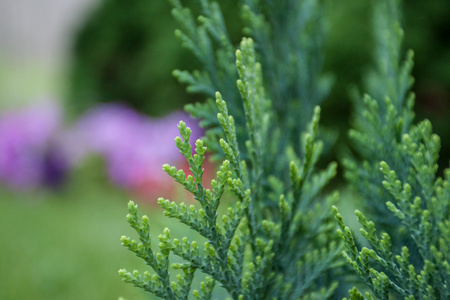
[(398, 181)]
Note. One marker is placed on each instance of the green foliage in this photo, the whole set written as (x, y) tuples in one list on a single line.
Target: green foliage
[(254, 250), (398, 181), (294, 86), (125, 52), (388, 270), (209, 41), (289, 38), (113, 56), (381, 119), (275, 241)]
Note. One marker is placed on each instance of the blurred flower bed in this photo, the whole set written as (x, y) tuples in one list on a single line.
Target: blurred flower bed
[(61, 221), (30, 151), (38, 150)]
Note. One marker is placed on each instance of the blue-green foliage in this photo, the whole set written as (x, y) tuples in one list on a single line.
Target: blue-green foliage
[(289, 37), (288, 40), (388, 269), (207, 38), (382, 117), (276, 241), (253, 251), (398, 180)]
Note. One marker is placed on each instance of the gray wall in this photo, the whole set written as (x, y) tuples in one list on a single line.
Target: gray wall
[(35, 39), (39, 29)]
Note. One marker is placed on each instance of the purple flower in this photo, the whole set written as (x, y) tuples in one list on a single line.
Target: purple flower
[(34, 150), (134, 146), (29, 155)]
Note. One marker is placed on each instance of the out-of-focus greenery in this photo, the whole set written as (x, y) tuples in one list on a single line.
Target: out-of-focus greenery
[(427, 28), (349, 56), (21, 81), (126, 51), (65, 244)]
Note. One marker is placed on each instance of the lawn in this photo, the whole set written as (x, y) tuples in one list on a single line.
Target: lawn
[(65, 244)]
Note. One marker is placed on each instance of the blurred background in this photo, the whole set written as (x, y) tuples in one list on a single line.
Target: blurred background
[(88, 113)]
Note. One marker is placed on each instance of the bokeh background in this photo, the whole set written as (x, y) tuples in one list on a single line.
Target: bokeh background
[(88, 113)]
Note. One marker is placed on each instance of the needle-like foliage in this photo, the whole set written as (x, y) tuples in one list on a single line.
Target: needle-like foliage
[(276, 239), (253, 251), (289, 37), (398, 181), (383, 115)]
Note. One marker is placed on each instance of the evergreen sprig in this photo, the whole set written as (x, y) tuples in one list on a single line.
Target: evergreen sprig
[(276, 239), (253, 251), (387, 269), (382, 117), (207, 38), (398, 181), (289, 39)]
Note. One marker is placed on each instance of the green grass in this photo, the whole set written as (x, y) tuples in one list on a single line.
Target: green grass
[(66, 244), (24, 82)]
